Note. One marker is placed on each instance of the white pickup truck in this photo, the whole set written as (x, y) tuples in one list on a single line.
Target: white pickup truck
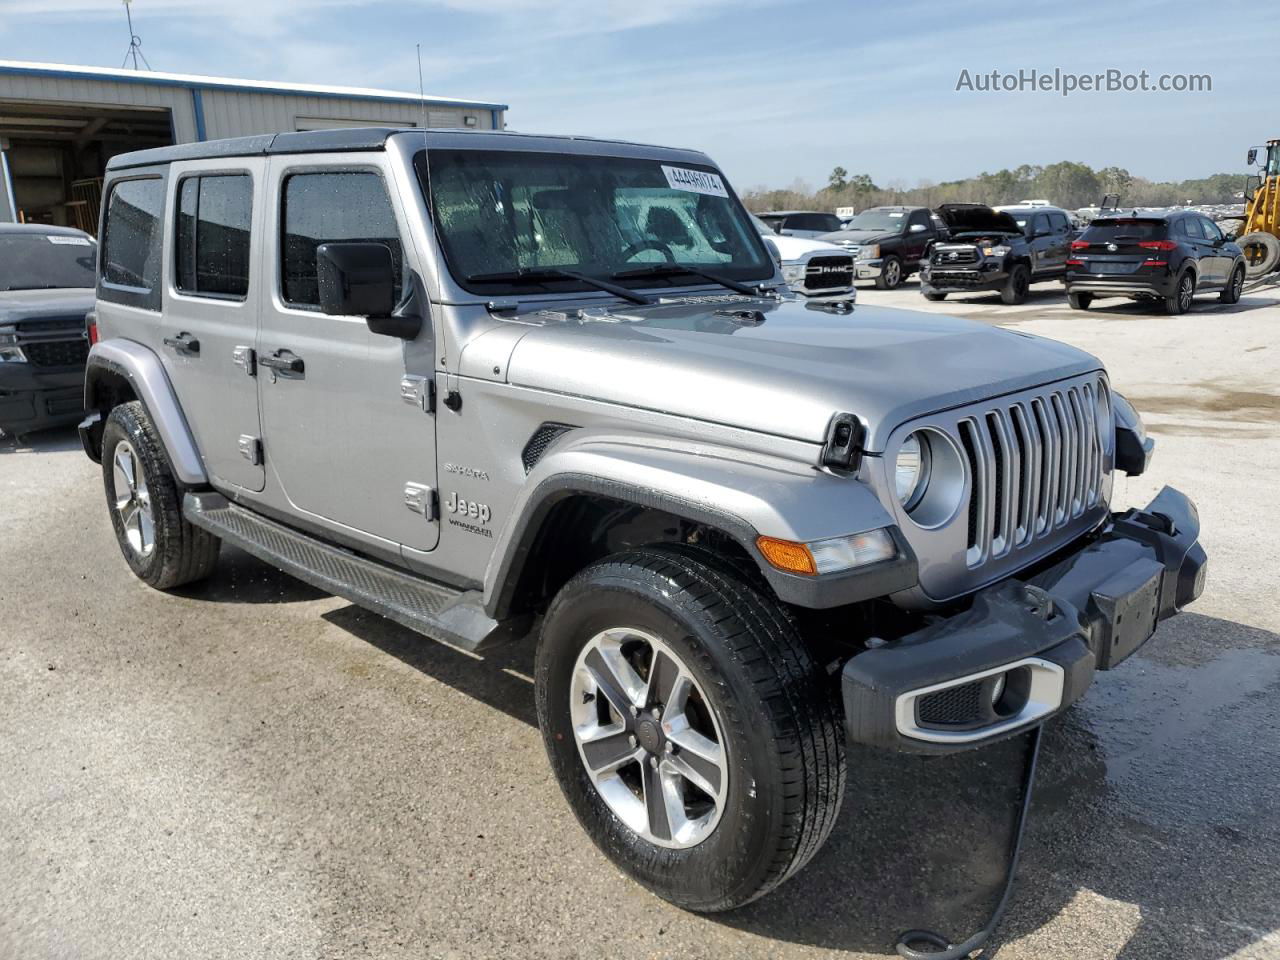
[(812, 268)]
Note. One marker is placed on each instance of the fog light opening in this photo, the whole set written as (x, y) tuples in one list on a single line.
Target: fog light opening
[(1010, 691)]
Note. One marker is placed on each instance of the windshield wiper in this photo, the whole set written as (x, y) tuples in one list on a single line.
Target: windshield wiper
[(676, 269), (540, 274)]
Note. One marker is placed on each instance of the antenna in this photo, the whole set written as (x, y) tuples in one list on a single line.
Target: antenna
[(422, 97), (135, 42)]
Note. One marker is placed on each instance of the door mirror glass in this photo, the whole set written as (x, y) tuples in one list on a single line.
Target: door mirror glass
[(1253, 156), (356, 279)]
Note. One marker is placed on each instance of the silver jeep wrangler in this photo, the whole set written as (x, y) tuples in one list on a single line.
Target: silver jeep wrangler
[(492, 385)]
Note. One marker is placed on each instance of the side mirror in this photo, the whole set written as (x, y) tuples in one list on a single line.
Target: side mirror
[(917, 228), (358, 280), (1253, 156)]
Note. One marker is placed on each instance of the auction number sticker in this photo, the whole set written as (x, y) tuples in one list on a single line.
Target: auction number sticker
[(695, 181), (69, 241)]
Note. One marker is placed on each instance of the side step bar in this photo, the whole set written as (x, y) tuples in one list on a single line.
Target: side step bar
[(456, 617)]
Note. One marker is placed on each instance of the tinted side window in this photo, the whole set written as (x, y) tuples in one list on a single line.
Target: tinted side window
[(1211, 231), (1041, 225), (131, 235), (1059, 222), (213, 235), (322, 207), (921, 217), (1191, 226)]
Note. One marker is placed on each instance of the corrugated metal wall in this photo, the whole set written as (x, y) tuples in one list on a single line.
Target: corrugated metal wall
[(232, 114), (86, 90)]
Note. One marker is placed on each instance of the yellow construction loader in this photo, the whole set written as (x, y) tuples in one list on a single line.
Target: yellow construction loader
[(1259, 234)]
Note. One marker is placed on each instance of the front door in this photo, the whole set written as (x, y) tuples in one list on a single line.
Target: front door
[(1216, 240), (345, 447), (210, 312)]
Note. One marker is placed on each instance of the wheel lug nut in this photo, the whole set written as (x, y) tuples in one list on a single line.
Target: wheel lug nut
[(631, 740), (656, 713), (670, 747), (653, 762)]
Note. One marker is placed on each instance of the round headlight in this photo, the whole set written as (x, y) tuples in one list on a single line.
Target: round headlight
[(911, 471)]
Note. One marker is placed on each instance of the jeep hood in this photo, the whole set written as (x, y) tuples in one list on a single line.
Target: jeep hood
[(783, 368), (976, 217), (35, 304)]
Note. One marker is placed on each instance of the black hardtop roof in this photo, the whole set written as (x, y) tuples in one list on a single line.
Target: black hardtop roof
[(363, 139)]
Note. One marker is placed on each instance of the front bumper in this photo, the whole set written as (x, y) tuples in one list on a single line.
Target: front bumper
[(867, 269), (33, 398), (955, 280), (1027, 649)]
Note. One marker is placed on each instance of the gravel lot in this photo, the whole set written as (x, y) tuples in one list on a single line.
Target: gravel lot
[(252, 769)]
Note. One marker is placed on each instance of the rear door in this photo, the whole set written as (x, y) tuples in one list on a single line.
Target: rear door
[(1060, 242), (1202, 249), (210, 311), (344, 445), (1041, 240)]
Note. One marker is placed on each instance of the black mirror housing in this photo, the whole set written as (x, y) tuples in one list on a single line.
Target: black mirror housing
[(356, 279), (1253, 156)]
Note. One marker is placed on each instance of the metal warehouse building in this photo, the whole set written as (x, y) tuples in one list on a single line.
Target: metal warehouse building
[(59, 125)]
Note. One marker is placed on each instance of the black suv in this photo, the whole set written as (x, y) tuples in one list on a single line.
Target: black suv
[(46, 288), (1168, 257), (1002, 250), (888, 243)]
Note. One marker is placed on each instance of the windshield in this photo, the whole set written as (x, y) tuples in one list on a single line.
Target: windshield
[(501, 212), (879, 220), (39, 261)]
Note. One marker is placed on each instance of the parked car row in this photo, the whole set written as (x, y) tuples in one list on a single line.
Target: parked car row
[(1163, 256)]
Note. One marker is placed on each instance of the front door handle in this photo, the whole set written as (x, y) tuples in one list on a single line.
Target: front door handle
[(285, 363), (184, 343)]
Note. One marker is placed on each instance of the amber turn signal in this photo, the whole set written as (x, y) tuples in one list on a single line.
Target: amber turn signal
[(788, 556)]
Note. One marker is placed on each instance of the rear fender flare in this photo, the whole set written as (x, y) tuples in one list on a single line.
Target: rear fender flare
[(742, 497), (145, 374)]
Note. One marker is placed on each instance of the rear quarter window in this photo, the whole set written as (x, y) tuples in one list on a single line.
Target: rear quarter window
[(130, 257)]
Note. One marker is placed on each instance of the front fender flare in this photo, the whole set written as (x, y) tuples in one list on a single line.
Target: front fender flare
[(145, 374), (710, 485)]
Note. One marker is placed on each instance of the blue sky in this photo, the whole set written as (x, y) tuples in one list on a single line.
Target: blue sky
[(774, 91)]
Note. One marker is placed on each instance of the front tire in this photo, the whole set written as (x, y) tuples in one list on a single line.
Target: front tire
[(1015, 288), (891, 274), (1080, 301), (160, 546), (757, 726), (934, 296)]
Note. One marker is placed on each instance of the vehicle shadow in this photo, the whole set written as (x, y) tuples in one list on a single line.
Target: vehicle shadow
[(1154, 791), (501, 678), (57, 440), (240, 577)]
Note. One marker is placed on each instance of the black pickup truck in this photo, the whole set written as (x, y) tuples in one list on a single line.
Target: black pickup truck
[(1003, 250), (46, 289), (888, 243)]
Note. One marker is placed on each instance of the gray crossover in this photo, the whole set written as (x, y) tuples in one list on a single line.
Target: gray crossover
[(500, 387)]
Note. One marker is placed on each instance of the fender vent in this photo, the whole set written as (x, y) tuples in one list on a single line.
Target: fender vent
[(542, 438)]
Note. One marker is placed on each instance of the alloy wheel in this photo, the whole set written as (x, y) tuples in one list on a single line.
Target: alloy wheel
[(648, 737), (892, 274), (1186, 290), (133, 500)]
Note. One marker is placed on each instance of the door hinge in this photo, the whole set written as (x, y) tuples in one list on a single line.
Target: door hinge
[(251, 449), (247, 359), (422, 499), (419, 392)]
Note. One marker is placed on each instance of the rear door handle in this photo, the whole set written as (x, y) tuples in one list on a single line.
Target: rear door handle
[(285, 363), (184, 343)]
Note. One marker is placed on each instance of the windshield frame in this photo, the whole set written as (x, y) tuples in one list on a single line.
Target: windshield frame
[(556, 289), (65, 243), (899, 226)]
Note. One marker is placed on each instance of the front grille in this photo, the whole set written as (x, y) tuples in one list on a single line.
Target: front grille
[(956, 255), (57, 353), (1036, 465), (828, 273), (953, 707), (957, 278)]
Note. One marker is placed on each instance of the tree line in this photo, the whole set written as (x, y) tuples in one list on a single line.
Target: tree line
[(1066, 184)]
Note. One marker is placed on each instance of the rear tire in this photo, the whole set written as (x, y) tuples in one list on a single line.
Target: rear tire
[(768, 707), (891, 274), (1261, 253), (1080, 301), (1180, 300), (159, 545), (1016, 287), (1234, 289)]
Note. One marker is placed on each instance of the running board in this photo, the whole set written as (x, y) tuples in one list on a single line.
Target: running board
[(456, 617)]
